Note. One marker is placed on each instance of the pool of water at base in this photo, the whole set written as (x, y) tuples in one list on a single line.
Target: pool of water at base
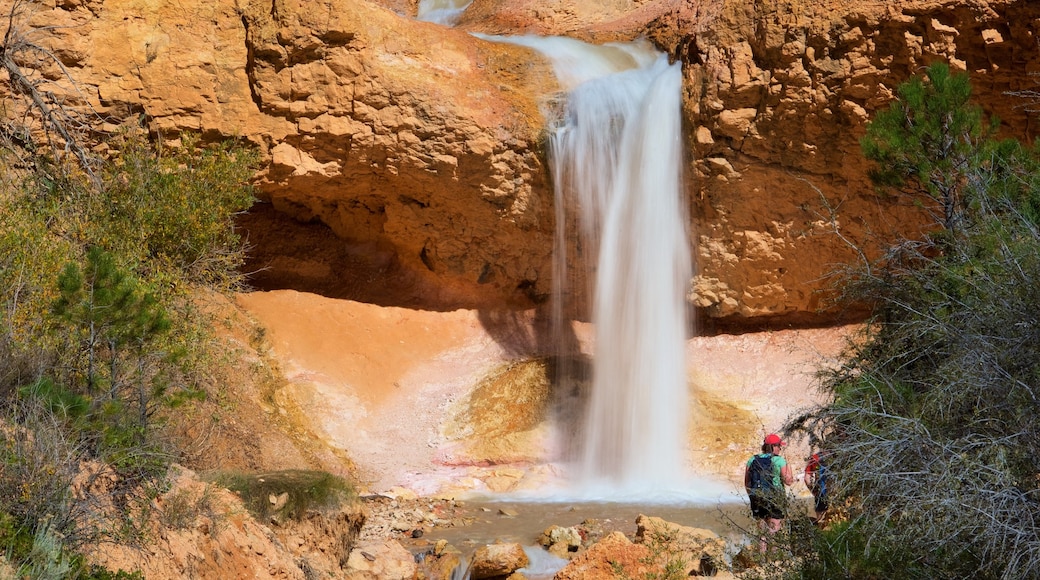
[(524, 521)]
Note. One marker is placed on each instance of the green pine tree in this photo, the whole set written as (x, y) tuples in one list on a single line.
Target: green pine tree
[(930, 137), (114, 313)]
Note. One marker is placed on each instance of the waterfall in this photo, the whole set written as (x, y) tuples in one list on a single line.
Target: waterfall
[(619, 153), (616, 158), (446, 12)]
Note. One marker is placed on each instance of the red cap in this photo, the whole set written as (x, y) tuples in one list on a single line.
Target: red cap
[(774, 439)]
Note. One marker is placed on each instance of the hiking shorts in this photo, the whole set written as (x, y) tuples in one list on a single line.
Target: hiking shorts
[(767, 507), (820, 505)]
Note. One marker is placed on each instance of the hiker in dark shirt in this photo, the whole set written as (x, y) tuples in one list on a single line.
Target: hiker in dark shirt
[(815, 479), (765, 476)]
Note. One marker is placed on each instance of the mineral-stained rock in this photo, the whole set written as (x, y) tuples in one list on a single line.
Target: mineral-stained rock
[(560, 541), (380, 560), (701, 551), (782, 91)]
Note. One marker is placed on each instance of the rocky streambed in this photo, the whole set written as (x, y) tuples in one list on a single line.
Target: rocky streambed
[(564, 539)]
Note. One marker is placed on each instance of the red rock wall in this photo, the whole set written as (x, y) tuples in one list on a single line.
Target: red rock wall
[(778, 94), (406, 163)]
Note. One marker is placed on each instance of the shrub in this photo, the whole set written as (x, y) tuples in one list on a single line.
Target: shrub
[(931, 432), (263, 494)]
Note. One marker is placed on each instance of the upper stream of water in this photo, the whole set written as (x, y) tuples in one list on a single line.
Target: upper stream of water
[(446, 12)]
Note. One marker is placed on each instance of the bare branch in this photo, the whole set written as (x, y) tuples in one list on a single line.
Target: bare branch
[(20, 57)]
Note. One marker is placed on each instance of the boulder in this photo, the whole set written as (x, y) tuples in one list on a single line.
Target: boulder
[(701, 551), (614, 554), (497, 560), (380, 560), (560, 541)]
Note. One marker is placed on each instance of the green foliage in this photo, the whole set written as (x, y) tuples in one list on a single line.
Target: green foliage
[(931, 432), (99, 334), (930, 135), (300, 491), (108, 307), (99, 573), (618, 570), (663, 564), (29, 261), (57, 399), (661, 561), (43, 555), (16, 538), (173, 209), (802, 551), (47, 559)]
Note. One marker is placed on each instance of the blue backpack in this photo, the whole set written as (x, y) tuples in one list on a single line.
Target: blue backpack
[(761, 474)]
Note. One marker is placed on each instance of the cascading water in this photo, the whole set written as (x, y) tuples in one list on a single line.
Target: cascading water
[(616, 159), (620, 154), (446, 12), (616, 155)]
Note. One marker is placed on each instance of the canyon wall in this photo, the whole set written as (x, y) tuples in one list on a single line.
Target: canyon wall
[(778, 95), (405, 162)]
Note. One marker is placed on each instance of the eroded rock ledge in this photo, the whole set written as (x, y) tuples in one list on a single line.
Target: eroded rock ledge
[(405, 162), (778, 95)]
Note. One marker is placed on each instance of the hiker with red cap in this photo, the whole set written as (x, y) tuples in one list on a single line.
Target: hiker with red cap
[(765, 476), (815, 479)]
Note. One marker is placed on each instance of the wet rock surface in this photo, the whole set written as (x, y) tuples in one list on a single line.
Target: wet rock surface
[(593, 547)]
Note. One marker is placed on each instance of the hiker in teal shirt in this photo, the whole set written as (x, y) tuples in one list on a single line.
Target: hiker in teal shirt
[(765, 476)]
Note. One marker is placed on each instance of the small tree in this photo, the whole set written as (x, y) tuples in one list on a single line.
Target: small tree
[(931, 136), (115, 316), (931, 430)]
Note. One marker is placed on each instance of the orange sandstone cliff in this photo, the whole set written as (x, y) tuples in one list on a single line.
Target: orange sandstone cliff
[(405, 161)]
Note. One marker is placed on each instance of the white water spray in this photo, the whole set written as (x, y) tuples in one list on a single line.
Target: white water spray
[(617, 159), (446, 12)]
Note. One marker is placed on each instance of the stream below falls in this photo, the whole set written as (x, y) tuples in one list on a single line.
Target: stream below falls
[(503, 520)]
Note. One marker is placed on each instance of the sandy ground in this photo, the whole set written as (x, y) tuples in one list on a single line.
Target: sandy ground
[(378, 382)]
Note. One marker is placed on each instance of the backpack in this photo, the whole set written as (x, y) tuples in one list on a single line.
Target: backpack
[(761, 472)]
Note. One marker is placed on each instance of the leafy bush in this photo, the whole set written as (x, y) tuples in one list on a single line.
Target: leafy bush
[(932, 430), (99, 335), (170, 211)]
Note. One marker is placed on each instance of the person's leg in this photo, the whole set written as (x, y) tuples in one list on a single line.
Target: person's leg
[(775, 520), (760, 512), (820, 509), (763, 533)]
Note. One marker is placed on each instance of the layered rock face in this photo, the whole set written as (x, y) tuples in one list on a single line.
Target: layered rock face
[(405, 162), (403, 158), (778, 95), (419, 141)]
